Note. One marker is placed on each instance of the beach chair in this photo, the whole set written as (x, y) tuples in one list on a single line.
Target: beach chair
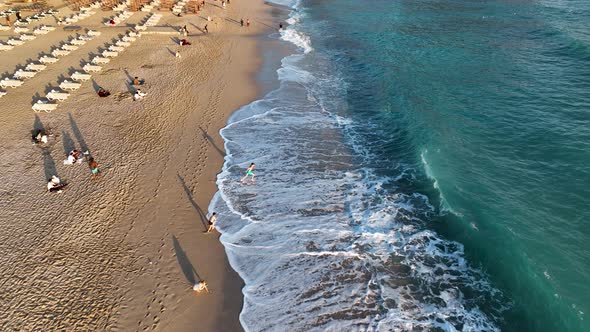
[(81, 76), (91, 68), (95, 5), (140, 27), (15, 42), (77, 42), (20, 74), (93, 33), (86, 37), (26, 37), (69, 85), (110, 54), (20, 29), (4, 27), (57, 95), (128, 39), (44, 105), (48, 59), (10, 83), (35, 67), (60, 52), (40, 31), (47, 27), (123, 43), (83, 9), (134, 34), (5, 47), (116, 48), (69, 47), (97, 60)]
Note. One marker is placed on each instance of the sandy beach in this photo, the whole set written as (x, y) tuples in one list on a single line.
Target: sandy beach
[(122, 252)]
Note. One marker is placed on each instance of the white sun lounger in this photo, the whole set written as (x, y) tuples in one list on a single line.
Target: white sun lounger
[(85, 8), (10, 83), (109, 54), (123, 43), (40, 32), (47, 27), (24, 74), (97, 60), (68, 47), (60, 52), (91, 68), (68, 85), (4, 27), (72, 19), (95, 5), (26, 37), (93, 33), (140, 27), (57, 95), (4, 47), (78, 42), (133, 34), (128, 39), (20, 29), (48, 59), (15, 42), (35, 67), (44, 105), (81, 76), (114, 48), (86, 37)]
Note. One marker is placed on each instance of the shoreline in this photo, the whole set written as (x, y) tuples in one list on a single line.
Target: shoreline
[(122, 252)]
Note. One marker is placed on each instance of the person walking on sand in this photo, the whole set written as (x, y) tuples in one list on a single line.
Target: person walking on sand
[(205, 29), (248, 23), (249, 172), (94, 168), (242, 22), (212, 221)]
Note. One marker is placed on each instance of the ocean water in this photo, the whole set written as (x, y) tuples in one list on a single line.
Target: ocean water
[(423, 166)]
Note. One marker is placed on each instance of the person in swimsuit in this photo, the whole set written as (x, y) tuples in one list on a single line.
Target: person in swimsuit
[(249, 172), (212, 221), (94, 168)]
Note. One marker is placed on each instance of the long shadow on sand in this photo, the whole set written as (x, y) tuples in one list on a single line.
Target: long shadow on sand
[(49, 164), (189, 195), (210, 139), (78, 134), (185, 264)]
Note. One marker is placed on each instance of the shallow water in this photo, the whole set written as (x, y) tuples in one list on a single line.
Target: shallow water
[(423, 166)]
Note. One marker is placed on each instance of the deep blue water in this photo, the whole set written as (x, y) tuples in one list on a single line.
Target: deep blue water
[(423, 166)]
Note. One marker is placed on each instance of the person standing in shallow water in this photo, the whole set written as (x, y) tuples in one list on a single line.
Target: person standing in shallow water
[(212, 221), (249, 172)]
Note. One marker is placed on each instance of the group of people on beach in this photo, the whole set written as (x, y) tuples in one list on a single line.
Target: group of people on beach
[(54, 184)]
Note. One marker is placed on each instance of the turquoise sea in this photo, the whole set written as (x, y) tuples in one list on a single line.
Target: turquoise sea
[(423, 166)]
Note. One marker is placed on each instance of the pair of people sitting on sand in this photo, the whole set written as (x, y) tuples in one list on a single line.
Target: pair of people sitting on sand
[(54, 184), (39, 137), (75, 156), (139, 94)]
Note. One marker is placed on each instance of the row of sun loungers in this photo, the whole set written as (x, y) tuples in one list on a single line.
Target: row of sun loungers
[(153, 20), (78, 17), (149, 7), (117, 19), (74, 83), (33, 18), (24, 37)]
